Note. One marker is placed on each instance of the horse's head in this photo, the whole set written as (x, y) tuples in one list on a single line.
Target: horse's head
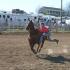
[(30, 26)]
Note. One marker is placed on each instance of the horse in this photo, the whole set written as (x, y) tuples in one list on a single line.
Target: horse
[(34, 37)]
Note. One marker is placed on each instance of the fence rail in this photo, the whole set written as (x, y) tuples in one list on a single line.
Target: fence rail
[(23, 29)]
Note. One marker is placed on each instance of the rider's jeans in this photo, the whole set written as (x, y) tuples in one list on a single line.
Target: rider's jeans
[(43, 35)]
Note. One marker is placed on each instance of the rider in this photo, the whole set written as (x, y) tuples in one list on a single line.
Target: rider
[(44, 30)]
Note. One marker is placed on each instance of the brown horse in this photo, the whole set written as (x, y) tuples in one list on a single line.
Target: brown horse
[(34, 37)]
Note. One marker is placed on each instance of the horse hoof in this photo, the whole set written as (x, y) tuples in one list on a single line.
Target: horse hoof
[(57, 42), (35, 52)]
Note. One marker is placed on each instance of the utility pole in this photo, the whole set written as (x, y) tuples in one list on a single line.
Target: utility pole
[(61, 12)]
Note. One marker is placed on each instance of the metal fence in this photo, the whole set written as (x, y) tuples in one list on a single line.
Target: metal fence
[(53, 28)]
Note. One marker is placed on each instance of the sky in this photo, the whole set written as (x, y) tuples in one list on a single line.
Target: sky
[(30, 5)]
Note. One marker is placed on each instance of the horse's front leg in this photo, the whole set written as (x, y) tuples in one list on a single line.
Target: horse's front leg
[(40, 47), (32, 46), (41, 42)]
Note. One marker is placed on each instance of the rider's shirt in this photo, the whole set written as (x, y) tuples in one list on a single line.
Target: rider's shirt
[(43, 29)]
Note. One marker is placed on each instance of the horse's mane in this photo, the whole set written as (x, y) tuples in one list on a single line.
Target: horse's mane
[(32, 29)]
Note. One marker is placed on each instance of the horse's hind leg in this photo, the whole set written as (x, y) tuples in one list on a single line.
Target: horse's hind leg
[(55, 40), (52, 40)]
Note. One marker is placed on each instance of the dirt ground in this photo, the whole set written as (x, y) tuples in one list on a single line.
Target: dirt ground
[(15, 54)]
